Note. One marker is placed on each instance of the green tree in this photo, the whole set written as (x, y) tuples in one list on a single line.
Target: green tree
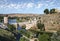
[(52, 11), (23, 26), (40, 25), (1, 18), (43, 37), (55, 36), (11, 27), (46, 11), (6, 35)]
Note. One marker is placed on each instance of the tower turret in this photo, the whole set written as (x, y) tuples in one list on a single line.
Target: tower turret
[(6, 19)]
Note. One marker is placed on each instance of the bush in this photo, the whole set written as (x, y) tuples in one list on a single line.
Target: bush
[(46, 11), (6, 35), (12, 17), (23, 39), (25, 33), (1, 18), (55, 36), (23, 26), (43, 37), (40, 26), (52, 11), (11, 27)]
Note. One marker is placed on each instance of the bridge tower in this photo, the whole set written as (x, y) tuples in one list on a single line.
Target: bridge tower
[(6, 19)]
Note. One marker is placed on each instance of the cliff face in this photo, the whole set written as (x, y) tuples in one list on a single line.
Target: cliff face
[(51, 22)]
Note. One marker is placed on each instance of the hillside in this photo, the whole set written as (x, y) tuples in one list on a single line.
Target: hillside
[(6, 35), (19, 15), (51, 22)]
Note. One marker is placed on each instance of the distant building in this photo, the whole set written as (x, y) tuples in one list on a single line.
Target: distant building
[(6, 19), (57, 10)]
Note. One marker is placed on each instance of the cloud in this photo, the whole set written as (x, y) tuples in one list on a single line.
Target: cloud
[(39, 5), (3, 1), (50, 3), (53, 1), (11, 6), (5, 4), (29, 5), (48, 0)]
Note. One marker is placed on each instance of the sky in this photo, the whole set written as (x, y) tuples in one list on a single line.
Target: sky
[(27, 6)]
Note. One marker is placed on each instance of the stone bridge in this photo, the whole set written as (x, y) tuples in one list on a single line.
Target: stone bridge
[(28, 24)]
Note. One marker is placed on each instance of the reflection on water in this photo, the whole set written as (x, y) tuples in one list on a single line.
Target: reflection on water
[(11, 21)]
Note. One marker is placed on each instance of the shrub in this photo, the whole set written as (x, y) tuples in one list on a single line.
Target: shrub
[(40, 26), (23, 26), (6, 35), (46, 11), (43, 37), (1, 18), (11, 27), (23, 39), (52, 11)]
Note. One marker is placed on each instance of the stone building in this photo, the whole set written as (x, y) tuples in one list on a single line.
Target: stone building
[(6, 19), (57, 10)]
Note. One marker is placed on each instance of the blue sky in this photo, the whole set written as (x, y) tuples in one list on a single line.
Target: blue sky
[(27, 6)]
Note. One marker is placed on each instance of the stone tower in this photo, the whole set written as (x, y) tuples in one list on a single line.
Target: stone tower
[(6, 19)]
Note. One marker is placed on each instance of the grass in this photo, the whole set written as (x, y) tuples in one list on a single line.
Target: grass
[(6, 35)]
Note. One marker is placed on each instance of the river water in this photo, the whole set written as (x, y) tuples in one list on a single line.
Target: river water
[(12, 21), (18, 35)]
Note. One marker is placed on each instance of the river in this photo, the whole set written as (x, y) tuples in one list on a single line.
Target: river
[(12, 21), (18, 35)]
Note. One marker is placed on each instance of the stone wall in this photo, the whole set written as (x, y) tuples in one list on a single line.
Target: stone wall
[(51, 22)]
